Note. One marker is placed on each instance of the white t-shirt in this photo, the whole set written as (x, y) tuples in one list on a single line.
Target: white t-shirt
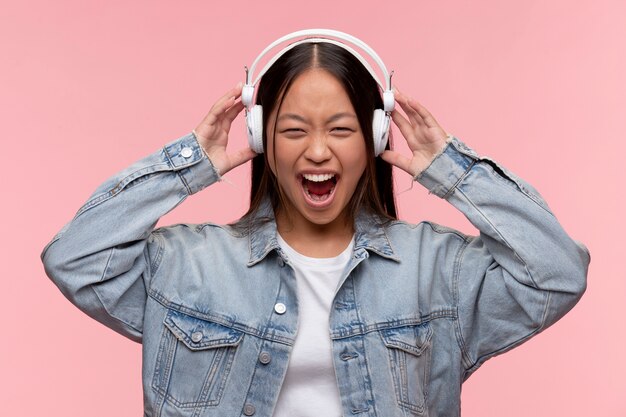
[(310, 386)]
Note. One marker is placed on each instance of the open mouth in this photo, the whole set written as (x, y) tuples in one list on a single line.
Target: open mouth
[(318, 188)]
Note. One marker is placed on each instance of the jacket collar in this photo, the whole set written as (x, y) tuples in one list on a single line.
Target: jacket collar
[(370, 234)]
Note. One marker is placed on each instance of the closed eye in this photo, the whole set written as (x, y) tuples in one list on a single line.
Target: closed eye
[(293, 132), (342, 131)]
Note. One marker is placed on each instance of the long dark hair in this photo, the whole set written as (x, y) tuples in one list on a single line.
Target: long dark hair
[(374, 192)]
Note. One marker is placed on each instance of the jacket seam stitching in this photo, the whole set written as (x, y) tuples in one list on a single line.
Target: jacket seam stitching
[(106, 265), (455, 294), (509, 178), (503, 240), (102, 278), (460, 235), (184, 181), (178, 170), (155, 264), (117, 188), (479, 361), (370, 328), (455, 186), (159, 298), (367, 383), (93, 288), (545, 310)]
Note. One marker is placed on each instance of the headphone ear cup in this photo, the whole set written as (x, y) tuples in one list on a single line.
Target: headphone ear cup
[(380, 129), (254, 125)]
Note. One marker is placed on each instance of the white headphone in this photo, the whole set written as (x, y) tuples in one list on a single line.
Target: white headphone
[(254, 113)]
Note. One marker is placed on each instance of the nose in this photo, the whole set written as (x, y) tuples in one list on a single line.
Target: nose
[(317, 149)]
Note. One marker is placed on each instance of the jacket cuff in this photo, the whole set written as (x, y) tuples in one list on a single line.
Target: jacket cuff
[(448, 168), (186, 157)]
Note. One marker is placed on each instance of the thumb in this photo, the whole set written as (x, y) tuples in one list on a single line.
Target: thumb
[(240, 157), (398, 160)]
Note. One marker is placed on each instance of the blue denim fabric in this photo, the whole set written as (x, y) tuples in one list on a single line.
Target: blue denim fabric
[(419, 308)]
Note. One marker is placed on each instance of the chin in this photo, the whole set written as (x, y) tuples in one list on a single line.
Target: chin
[(325, 219)]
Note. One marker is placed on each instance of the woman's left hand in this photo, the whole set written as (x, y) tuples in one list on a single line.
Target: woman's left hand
[(425, 137)]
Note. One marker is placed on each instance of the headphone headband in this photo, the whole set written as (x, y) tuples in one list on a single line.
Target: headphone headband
[(320, 35), (314, 40)]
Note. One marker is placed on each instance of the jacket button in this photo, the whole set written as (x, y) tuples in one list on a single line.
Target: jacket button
[(280, 308), (196, 336), (186, 152), (265, 358), (281, 262), (249, 409)]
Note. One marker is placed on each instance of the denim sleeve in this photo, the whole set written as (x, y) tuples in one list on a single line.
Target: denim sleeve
[(522, 273), (103, 259)]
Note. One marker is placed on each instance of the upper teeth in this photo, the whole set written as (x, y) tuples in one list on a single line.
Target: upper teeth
[(318, 178)]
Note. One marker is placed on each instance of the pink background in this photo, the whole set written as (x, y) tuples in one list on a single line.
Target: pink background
[(88, 87)]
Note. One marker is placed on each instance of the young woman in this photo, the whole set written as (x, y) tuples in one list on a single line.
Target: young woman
[(318, 301)]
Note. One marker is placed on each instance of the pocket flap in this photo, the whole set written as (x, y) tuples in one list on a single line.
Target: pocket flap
[(411, 339), (198, 334)]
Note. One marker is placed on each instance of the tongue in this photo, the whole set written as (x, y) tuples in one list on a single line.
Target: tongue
[(320, 188)]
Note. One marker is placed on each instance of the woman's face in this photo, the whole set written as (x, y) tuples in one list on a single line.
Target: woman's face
[(319, 153)]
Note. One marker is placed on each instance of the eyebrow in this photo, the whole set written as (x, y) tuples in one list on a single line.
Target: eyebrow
[(299, 118)]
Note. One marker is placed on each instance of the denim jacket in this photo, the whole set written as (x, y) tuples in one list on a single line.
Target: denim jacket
[(418, 309)]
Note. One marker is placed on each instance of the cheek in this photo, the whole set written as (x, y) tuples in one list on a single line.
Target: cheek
[(355, 159), (282, 156), (356, 173)]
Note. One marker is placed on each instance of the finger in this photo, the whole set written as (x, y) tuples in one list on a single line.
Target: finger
[(411, 112), (219, 108), (242, 156), (233, 111), (231, 115), (403, 124), (397, 159), (233, 93), (428, 118), (224, 103)]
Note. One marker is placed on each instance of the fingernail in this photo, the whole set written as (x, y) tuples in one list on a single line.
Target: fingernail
[(239, 85)]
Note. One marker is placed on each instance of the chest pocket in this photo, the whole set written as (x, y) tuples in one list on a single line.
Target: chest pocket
[(409, 351), (194, 360)]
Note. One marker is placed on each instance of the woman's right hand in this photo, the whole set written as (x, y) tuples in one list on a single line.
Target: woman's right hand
[(212, 132)]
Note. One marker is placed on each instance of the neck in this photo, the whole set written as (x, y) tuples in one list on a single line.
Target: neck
[(315, 240)]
